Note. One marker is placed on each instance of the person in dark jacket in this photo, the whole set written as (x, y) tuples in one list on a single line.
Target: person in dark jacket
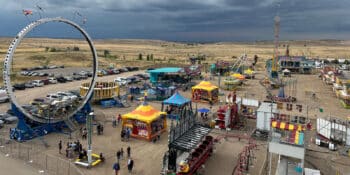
[(60, 146), (130, 165), (118, 155), (128, 150), (116, 168)]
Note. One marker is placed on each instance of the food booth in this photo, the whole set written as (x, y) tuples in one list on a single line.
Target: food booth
[(205, 92), (145, 122)]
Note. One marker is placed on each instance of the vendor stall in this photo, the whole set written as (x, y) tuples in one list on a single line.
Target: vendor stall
[(176, 105), (145, 122), (205, 92)]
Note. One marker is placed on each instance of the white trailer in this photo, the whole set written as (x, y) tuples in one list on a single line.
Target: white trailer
[(331, 131)]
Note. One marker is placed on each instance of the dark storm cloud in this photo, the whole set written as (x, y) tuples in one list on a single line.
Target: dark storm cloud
[(199, 20)]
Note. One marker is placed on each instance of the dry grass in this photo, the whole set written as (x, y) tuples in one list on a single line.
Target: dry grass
[(125, 52)]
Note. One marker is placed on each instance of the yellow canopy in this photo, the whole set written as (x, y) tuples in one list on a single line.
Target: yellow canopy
[(205, 85), (249, 72), (145, 113), (238, 76)]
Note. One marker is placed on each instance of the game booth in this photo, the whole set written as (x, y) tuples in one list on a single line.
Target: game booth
[(176, 105), (145, 122), (205, 92)]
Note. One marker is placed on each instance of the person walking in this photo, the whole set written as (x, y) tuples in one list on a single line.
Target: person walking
[(116, 168), (121, 153), (130, 165), (98, 129), (128, 151), (128, 132), (114, 122), (118, 155), (60, 146), (119, 119), (122, 134)]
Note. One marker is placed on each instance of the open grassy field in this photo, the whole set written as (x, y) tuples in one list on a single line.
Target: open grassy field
[(37, 51)]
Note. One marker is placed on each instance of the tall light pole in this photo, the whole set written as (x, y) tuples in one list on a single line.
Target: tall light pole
[(89, 129)]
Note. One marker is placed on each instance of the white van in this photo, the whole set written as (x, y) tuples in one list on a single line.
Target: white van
[(3, 96)]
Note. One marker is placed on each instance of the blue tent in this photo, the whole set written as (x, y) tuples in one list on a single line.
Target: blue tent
[(177, 100)]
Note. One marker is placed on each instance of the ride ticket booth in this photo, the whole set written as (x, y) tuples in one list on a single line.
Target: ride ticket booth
[(145, 122), (205, 92)]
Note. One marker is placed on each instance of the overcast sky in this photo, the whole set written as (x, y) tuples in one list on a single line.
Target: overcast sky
[(185, 20)]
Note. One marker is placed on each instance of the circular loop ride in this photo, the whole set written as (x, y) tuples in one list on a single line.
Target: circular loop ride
[(9, 59)]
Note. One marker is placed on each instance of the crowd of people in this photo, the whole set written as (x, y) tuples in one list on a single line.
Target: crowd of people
[(125, 134), (72, 149), (120, 156)]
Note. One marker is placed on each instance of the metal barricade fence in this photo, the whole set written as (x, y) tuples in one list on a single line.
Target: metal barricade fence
[(34, 156)]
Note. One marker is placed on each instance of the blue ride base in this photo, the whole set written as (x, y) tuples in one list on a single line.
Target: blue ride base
[(28, 129)]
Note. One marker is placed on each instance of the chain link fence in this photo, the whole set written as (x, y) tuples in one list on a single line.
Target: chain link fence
[(34, 156)]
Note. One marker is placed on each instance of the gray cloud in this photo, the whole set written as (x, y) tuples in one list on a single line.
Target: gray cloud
[(199, 20)]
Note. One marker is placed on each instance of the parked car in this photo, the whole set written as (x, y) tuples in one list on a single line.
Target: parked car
[(46, 81), (39, 101), (124, 69), (75, 92), (132, 79), (142, 76), (133, 68), (69, 78), (61, 79), (53, 67), (89, 73), (69, 95), (24, 73), (52, 96), (3, 96), (115, 71), (8, 118), (77, 77), (19, 86), (34, 74), (121, 81), (52, 80), (29, 84), (38, 83)]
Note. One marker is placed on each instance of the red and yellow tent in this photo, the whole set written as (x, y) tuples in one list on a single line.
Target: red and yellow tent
[(205, 92), (145, 122)]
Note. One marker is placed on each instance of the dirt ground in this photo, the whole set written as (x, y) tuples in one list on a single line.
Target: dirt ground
[(148, 156), (13, 166)]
